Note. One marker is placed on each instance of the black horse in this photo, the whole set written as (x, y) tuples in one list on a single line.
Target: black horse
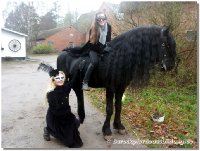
[(131, 56)]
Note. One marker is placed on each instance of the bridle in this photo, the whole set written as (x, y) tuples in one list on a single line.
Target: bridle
[(164, 45), (164, 51)]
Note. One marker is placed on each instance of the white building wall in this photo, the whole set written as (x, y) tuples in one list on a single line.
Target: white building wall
[(6, 37)]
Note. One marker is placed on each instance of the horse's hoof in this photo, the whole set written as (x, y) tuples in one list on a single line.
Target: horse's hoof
[(108, 138), (122, 131)]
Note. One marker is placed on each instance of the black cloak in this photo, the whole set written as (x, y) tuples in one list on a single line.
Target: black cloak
[(61, 122)]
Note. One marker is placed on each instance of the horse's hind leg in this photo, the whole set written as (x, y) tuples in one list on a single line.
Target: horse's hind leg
[(118, 106), (109, 111), (80, 101)]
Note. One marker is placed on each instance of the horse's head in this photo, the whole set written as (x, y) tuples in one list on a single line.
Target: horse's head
[(168, 50)]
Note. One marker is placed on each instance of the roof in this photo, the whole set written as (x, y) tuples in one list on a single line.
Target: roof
[(15, 32), (84, 22), (46, 33)]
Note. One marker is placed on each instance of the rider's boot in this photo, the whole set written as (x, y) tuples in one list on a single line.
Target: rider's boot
[(87, 76)]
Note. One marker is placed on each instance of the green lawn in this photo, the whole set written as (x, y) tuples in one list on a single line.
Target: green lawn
[(179, 105)]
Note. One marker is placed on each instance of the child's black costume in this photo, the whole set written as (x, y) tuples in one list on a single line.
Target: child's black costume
[(61, 122)]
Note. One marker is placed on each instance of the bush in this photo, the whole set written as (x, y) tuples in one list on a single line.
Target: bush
[(43, 49)]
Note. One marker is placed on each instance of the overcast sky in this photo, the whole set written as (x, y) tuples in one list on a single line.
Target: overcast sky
[(83, 6), (43, 6)]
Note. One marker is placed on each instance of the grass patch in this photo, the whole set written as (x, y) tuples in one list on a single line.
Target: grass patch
[(97, 97), (179, 106)]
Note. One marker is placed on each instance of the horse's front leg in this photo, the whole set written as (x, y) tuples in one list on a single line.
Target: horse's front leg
[(80, 101), (118, 107), (109, 111)]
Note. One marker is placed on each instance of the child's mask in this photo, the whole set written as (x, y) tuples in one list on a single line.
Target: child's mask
[(59, 77)]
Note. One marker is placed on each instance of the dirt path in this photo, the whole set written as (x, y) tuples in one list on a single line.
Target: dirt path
[(23, 110)]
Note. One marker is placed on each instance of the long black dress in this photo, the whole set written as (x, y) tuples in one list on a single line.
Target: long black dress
[(61, 122)]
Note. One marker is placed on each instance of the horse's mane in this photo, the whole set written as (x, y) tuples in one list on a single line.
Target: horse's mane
[(134, 52)]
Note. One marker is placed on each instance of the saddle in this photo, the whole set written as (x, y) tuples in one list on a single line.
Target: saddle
[(82, 51), (81, 56)]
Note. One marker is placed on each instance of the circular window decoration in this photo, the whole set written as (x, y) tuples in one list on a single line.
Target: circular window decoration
[(14, 45)]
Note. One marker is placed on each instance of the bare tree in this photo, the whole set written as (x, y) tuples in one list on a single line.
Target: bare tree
[(23, 19), (133, 12), (166, 13)]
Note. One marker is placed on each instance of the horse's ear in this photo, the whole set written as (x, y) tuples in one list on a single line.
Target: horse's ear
[(164, 31)]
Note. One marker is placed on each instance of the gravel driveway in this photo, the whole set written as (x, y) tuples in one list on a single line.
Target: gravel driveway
[(23, 110)]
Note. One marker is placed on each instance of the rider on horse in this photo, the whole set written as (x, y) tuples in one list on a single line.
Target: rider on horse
[(99, 35)]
